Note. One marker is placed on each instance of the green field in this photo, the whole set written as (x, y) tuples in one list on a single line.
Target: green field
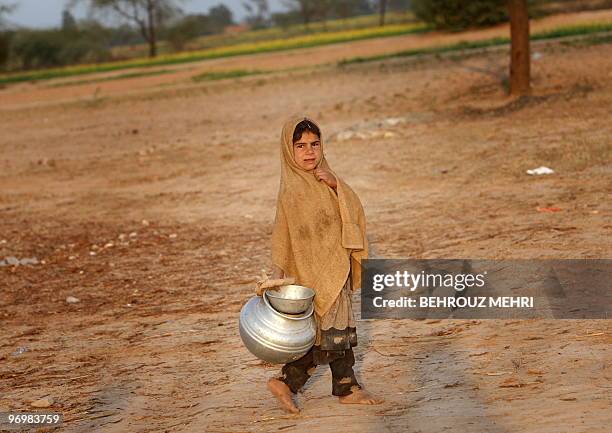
[(221, 75), (275, 33), (304, 41), (296, 42), (560, 32)]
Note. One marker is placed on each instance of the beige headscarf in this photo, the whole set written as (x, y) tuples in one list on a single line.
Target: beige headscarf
[(317, 234)]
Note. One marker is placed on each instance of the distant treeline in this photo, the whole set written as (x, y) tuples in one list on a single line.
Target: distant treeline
[(91, 41), (94, 41)]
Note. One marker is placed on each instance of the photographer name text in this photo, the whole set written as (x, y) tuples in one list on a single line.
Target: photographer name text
[(455, 302)]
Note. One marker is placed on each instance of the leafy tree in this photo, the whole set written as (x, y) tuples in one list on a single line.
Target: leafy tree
[(34, 49), (5, 48), (146, 15), (398, 5), (307, 9), (382, 9), (286, 19), (68, 22), (459, 14), (220, 17), (364, 7), (188, 28), (5, 36), (344, 8), (121, 35), (322, 9)]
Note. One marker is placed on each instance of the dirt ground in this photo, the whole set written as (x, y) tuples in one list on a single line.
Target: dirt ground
[(154, 209)]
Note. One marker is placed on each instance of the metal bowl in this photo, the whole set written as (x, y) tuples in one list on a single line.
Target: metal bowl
[(291, 299)]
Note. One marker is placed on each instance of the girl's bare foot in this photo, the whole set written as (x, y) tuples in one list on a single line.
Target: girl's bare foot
[(359, 396), (283, 394)]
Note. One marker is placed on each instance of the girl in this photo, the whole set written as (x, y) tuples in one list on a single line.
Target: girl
[(319, 239)]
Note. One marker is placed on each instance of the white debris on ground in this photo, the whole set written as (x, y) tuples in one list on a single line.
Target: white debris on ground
[(371, 129), (72, 300), (14, 261), (19, 351), (540, 171), (93, 251)]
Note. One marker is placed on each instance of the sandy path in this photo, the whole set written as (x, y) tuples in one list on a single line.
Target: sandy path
[(153, 344)]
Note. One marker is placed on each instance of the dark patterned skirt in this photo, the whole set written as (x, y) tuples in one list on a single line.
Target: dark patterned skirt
[(335, 339), (336, 330)]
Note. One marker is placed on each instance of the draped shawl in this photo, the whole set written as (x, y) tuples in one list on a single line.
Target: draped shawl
[(319, 233)]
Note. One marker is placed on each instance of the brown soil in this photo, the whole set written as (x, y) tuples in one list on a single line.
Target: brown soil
[(155, 210)]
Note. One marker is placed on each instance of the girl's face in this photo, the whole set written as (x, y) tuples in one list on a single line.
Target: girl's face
[(307, 151)]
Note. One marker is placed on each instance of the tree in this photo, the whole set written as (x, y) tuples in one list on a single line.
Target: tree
[(190, 27), (382, 8), (5, 48), (399, 5), (34, 49), (285, 19), (5, 36), (344, 8), (310, 10), (322, 9), (520, 60), (257, 12), (146, 15), (348, 8), (68, 22), (5, 9), (305, 8), (460, 14), (220, 16), (186, 29)]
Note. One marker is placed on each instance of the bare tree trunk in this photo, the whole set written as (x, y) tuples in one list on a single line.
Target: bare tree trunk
[(152, 24), (382, 5), (520, 60)]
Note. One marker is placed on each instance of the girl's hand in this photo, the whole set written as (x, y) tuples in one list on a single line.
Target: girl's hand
[(267, 283), (326, 176)]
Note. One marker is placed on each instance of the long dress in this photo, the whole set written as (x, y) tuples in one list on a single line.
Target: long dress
[(336, 330)]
